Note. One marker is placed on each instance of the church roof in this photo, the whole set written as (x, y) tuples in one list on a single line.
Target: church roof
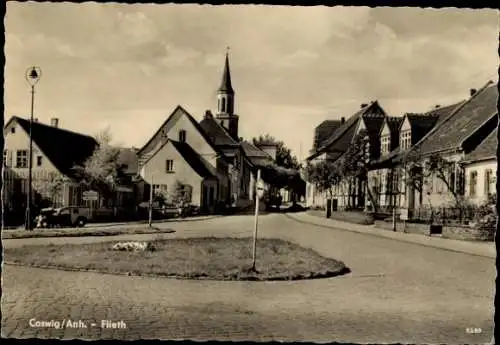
[(216, 132), (226, 85)]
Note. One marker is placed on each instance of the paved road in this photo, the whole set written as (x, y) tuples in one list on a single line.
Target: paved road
[(397, 292)]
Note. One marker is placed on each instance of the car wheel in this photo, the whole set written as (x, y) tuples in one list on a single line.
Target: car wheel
[(80, 222)]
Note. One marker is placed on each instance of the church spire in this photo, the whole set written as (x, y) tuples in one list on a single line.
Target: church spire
[(226, 86)]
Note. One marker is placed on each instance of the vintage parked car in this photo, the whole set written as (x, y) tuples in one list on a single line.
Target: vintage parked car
[(63, 217)]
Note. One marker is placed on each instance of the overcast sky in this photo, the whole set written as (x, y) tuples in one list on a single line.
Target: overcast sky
[(128, 66)]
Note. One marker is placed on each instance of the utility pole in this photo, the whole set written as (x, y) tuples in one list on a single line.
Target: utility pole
[(258, 191)]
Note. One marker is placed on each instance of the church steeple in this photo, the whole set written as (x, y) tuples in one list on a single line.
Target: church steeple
[(225, 94), (226, 86), (225, 101)]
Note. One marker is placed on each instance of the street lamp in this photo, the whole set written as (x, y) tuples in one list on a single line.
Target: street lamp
[(33, 75)]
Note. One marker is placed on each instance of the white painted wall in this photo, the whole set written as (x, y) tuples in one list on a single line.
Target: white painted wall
[(154, 172), (19, 140), (480, 168)]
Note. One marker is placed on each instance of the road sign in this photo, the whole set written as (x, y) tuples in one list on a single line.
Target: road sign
[(403, 215), (90, 195)]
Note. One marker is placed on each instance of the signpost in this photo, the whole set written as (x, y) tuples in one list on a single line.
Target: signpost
[(404, 217), (259, 193), (90, 195)]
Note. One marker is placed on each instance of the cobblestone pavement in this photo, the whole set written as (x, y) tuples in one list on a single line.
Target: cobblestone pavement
[(397, 292)]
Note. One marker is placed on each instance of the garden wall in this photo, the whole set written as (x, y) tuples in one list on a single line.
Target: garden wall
[(355, 217), (449, 231), (469, 233), (411, 228)]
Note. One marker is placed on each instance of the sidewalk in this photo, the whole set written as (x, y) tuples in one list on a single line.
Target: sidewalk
[(485, 249)]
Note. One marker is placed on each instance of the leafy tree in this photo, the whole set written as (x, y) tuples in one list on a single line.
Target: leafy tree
[(181, 194), (420, 172), (102, 170), (355, 163), (48, 189), (284, 157), (325, 175)]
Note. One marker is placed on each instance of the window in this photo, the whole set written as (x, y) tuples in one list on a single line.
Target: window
[(489, 182), (159, 189), (13, 130), (182, 136), (452, 179), (472, 183), (169, 166), (22, 159), (5, 157), (39, 160), (223, 108), (405, 139), (386, 144)]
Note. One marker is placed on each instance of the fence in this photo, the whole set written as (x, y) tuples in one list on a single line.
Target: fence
[(445, 215)]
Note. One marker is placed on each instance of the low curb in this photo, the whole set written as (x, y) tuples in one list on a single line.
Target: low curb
[(405, 240), (319, 275)]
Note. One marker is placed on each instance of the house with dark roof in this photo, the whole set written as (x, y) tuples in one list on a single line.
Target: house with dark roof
[(452, 138), (367, 121), (55, 152), (181, 152), (481, 167), (397, 136)]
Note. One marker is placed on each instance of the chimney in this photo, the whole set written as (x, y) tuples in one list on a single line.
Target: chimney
[(54, 122), (472, 92), (363, 105), (342, 120), (208, 114)]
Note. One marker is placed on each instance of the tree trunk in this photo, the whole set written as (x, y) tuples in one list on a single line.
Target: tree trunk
[(372, 199)]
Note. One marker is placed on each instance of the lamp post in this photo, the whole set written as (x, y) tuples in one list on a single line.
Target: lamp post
[(33, 75)]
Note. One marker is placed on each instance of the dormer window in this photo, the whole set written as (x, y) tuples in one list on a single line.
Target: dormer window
[(405, 140), (385, 144), (182, 136)]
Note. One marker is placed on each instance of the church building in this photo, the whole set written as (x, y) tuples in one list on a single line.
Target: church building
[(207, 160)]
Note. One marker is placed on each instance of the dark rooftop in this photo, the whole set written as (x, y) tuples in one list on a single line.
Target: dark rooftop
[(194, 160), (63, 148), (486, 150), (450, 132)]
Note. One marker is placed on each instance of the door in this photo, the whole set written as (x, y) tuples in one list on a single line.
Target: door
[(64, 217)]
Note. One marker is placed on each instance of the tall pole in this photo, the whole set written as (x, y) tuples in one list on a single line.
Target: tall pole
[(150, 222), (28, 225), (33, 75), (257, 197)]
